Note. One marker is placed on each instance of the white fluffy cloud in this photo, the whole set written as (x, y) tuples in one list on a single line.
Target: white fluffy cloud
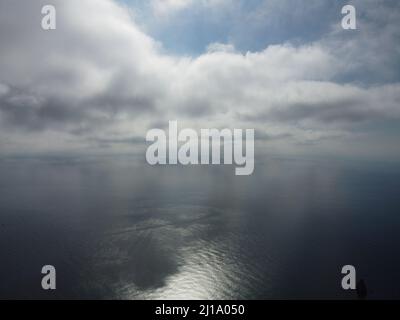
[(99, 81)]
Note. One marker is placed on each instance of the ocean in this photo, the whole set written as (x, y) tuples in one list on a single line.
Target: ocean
[(116, 228)]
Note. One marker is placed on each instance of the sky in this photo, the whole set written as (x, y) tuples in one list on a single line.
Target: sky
[(112, 70)]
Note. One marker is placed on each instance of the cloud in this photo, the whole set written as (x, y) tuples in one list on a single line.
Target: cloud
[(166, 7), (163, 7), (99, 80)]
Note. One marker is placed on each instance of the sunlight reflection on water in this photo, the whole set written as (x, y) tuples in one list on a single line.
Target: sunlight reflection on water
[(126, 231)]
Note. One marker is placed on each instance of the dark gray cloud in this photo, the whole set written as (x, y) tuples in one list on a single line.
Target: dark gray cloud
[(21, 109), (361, 107)]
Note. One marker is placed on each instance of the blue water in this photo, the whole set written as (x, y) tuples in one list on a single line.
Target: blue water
[(118, 229)]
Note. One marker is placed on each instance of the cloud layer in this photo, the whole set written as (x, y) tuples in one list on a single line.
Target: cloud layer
[(99, 82)]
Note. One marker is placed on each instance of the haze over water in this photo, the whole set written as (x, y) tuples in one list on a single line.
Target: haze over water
[(114, 228)]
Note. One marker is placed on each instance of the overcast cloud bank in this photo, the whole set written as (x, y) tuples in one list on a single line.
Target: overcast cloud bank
[(99, 82)]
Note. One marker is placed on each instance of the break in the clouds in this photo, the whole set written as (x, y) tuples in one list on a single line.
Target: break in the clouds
[(104, 77)]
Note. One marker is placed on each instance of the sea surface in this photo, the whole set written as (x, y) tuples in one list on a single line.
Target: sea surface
[(116, 228)]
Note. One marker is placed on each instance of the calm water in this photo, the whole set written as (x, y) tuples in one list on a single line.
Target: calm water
[(115, 229)]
